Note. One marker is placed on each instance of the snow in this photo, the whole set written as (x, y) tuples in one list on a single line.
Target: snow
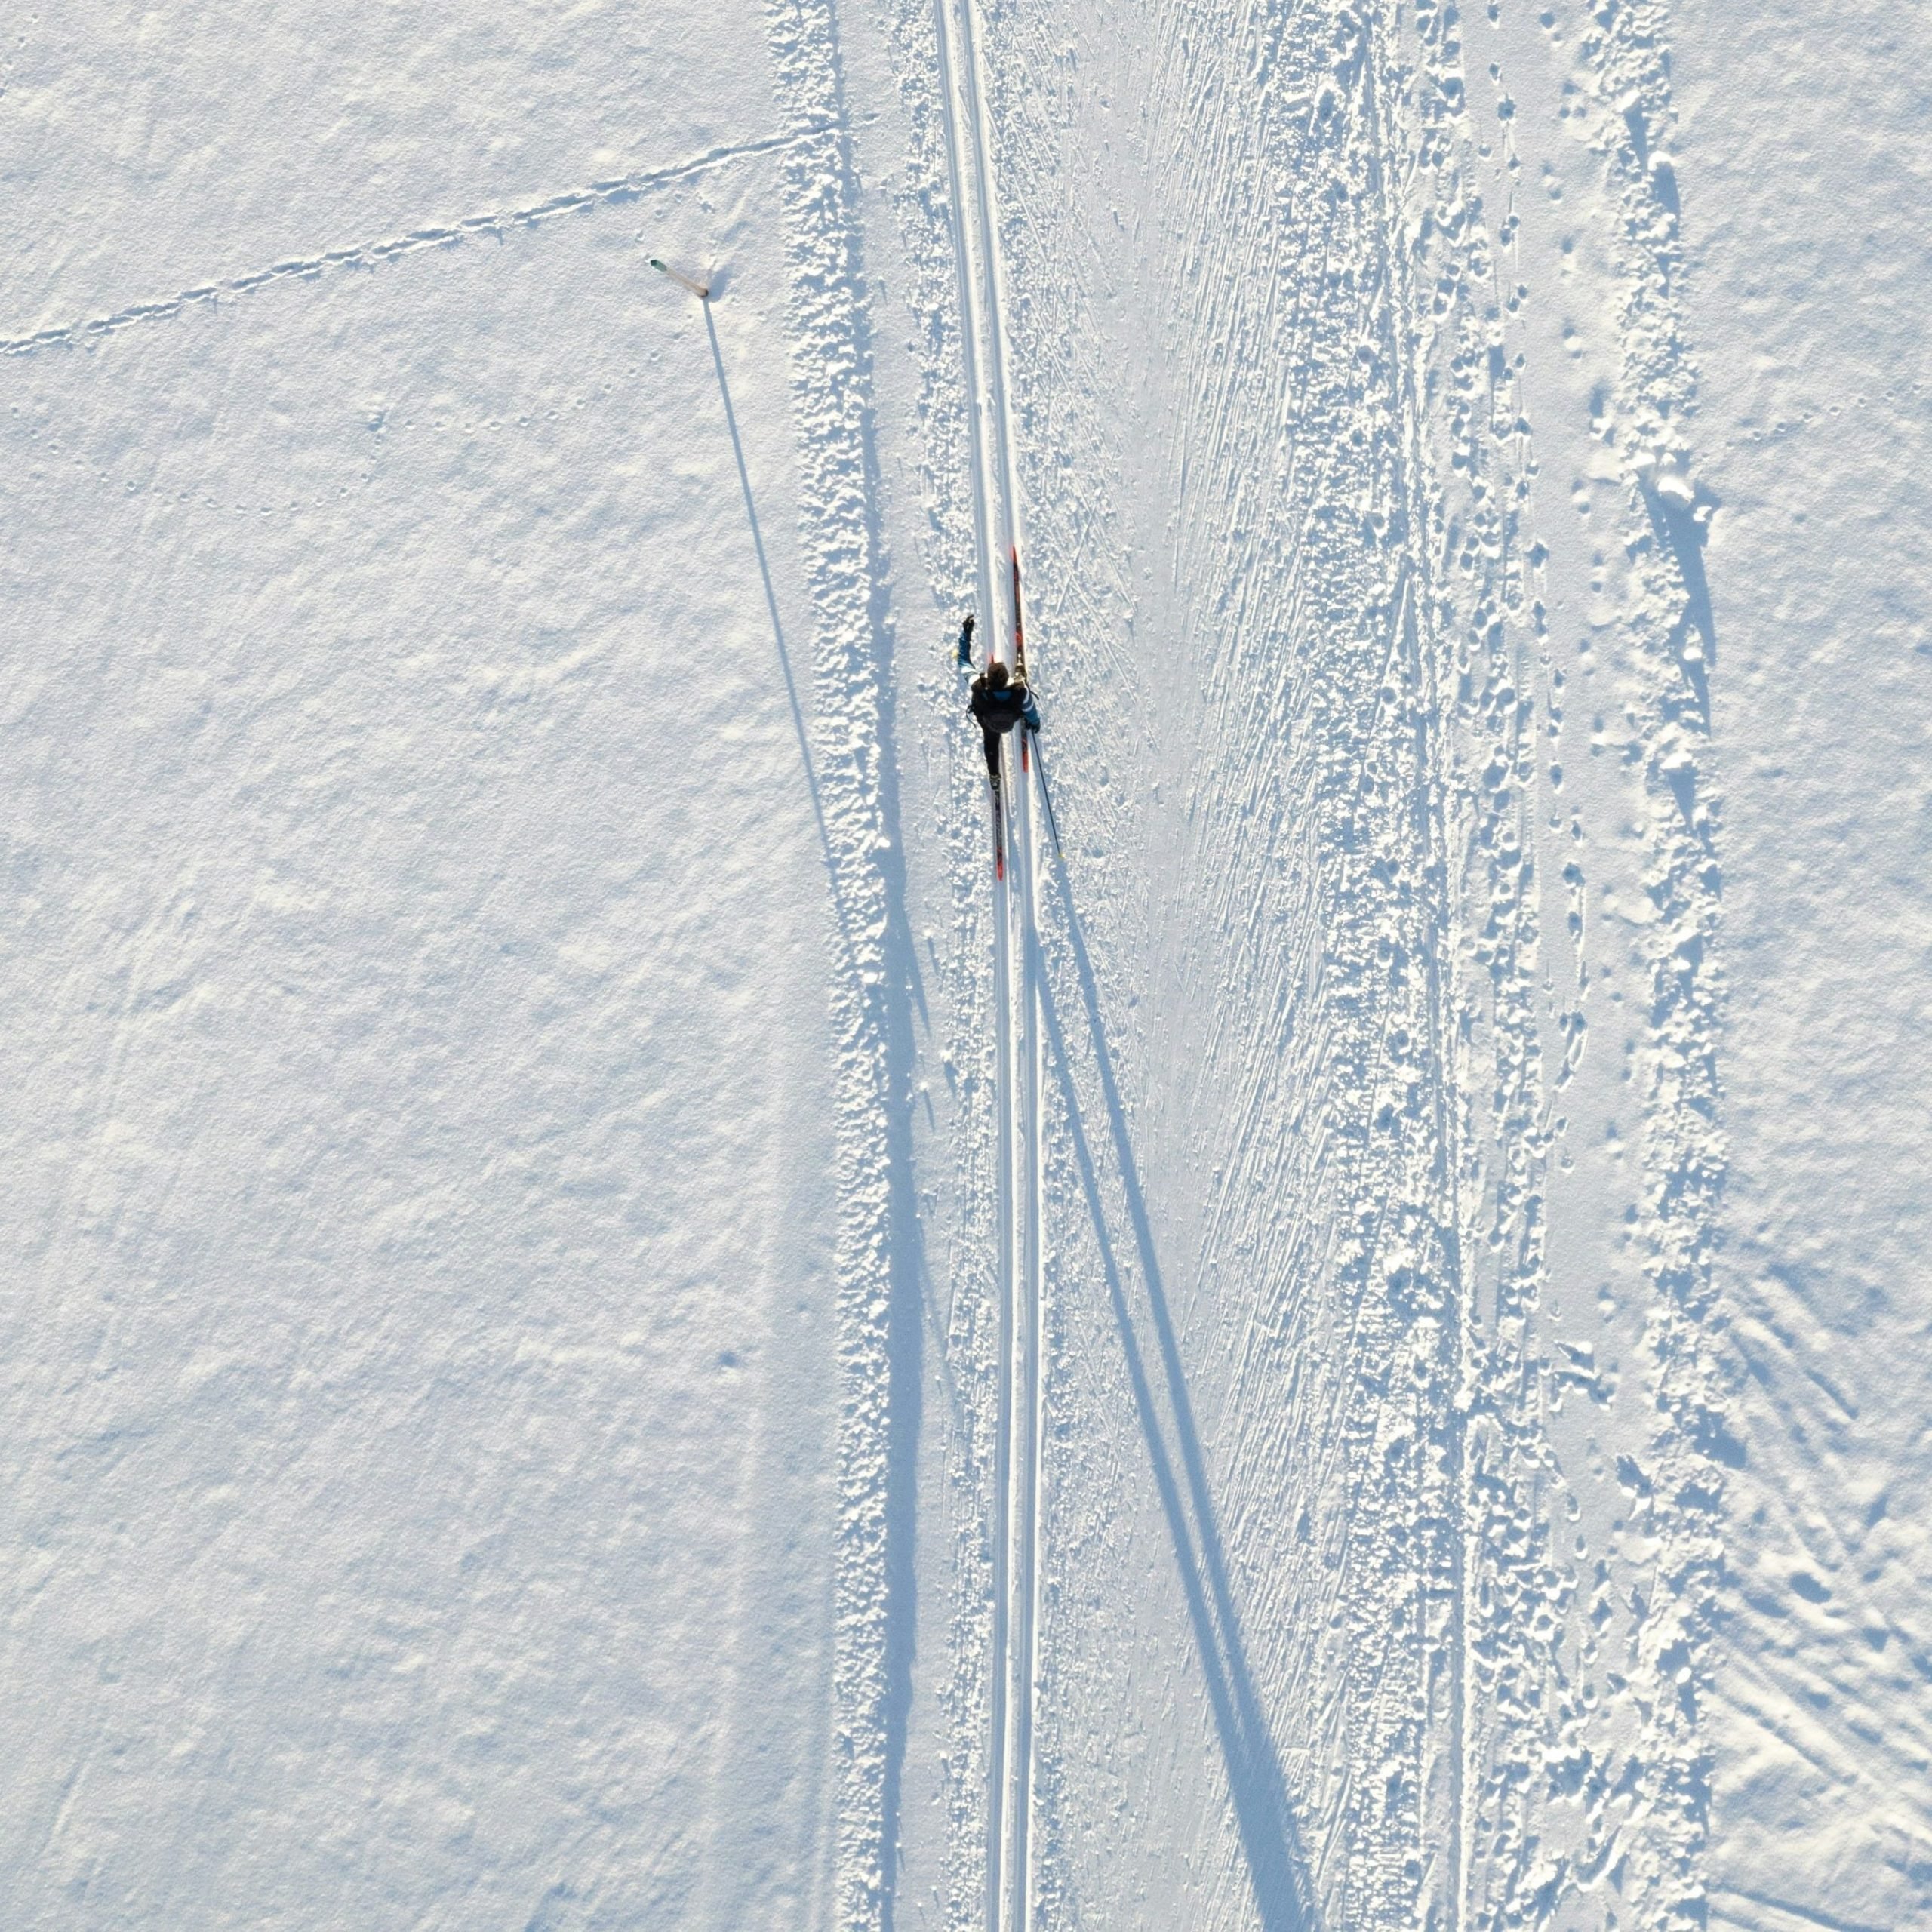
[(533, 1148), (422, 1402), (1816, 413)]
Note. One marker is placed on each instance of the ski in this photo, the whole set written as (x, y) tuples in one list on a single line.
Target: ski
[(1018, 629), (999, 834), (1019, 647)]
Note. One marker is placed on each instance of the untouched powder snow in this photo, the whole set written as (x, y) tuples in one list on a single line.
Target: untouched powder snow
[(1813, 272), (604, 1331), (422, 1174)]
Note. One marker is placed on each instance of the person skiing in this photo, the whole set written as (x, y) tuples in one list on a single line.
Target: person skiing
[(1000, 701)]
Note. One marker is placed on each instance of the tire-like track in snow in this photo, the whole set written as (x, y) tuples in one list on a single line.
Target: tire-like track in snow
[(1012, 1664)]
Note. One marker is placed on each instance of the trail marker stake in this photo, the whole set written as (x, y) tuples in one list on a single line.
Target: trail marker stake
[(702, 290)]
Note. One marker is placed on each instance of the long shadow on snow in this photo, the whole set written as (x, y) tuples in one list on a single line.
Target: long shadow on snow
[(1276, 1862), (907, 1301), (778, 638)]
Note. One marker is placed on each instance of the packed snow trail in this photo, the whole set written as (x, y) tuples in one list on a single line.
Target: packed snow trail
[(1210, 404)]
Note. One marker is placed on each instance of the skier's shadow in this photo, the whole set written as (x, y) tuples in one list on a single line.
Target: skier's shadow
[(778, 638), (1276, 1863)]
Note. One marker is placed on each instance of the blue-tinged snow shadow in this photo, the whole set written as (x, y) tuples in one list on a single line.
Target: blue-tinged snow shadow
[(1679, 530), (1276, 1863)]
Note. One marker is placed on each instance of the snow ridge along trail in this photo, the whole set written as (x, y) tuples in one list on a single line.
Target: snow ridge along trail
[(856, 781), (1016, 1477)]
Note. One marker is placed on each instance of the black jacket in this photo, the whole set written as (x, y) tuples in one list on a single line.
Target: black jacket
[(1000, 707)]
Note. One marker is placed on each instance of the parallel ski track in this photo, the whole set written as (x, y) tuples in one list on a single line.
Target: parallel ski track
[(1013, 1665)]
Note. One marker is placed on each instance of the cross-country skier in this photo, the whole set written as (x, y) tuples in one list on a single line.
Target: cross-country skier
[(999, 702)]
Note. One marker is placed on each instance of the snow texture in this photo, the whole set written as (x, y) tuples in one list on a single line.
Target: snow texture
[(606, 1329)]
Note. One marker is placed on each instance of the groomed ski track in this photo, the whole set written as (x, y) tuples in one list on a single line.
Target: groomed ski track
[(1012, 1665)]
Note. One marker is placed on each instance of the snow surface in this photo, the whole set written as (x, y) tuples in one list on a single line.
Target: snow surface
[(531, 1139)]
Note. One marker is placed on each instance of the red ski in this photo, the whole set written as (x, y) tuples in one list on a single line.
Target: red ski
[(1018, 628), (1019, 648)]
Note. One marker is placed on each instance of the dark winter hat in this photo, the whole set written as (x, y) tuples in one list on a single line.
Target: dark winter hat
[(996, 674)]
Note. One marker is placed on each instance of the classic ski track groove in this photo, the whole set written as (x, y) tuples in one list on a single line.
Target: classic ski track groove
[(372, 254), (1016, 1474), (983, 539)]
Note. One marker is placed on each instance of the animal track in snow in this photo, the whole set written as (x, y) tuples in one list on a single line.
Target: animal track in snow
[(370, 254)]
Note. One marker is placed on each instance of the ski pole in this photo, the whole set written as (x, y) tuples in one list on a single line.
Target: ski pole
[(701, 290), (1047, 798), (1019, 631)]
